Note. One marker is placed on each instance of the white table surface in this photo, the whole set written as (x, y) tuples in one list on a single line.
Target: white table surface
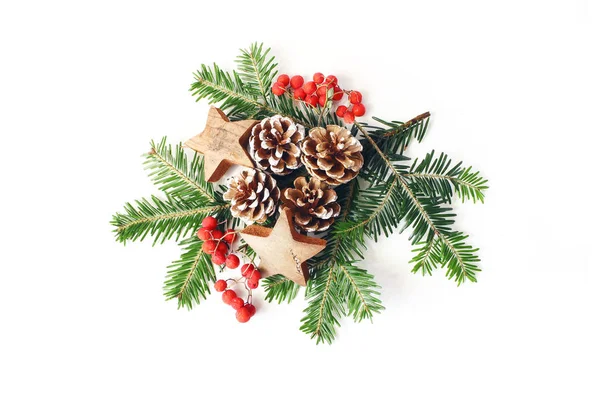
[(513, 89)]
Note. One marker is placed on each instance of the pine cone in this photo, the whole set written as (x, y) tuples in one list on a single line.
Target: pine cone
[(312, 203), (332, 155), (275, 145), (253, 196)]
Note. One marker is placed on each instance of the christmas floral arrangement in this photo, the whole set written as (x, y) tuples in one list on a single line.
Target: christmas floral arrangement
[(316, 183)]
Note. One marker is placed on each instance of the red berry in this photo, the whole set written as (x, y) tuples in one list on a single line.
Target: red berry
[(322, 91), (358, 110), (209, 246), (277, 89), (254, 275), (251, 309), (252, 284), (217, 234), (355, 97), (230, 236), (318, 77), (322, 100), (341, 110), (222, 248), (283, 79), (243, 315), (220, 285), (232, 261), (210, 223), (312, 100), (297, 81), (228, 295), (218, 257), (309, 87), (237, 303), (348, 117), (337, 93), (331, 79), (247, 270), (204, 234), (299, 94)]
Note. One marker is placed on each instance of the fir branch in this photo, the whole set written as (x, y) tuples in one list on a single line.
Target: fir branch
[(393, 139), (434, 177), (428, 256), (239, 100), (218, 86), (428, 220), (257, 70), (170, 170), (360, 291), (377, 210), (422, 221), (336, 288), (325, 306), (280, 288), (161, 218), (188, 278), (338, 285), (459, 258)]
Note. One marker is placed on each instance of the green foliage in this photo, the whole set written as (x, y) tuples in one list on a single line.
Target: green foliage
[(349, 290), (257, 70), (227, 89), (422, 191), (392, 139), (188, 278), (188, 198), (359, 290), (447, 251), (373, 213), (325, 306), (337, 290), (280, 289), (170, 170), (161, 218), (435, 178)]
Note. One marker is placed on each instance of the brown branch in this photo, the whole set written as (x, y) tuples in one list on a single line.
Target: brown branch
[(408, 124)]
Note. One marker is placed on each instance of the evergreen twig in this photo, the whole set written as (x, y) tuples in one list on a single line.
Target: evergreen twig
[(188, 278)]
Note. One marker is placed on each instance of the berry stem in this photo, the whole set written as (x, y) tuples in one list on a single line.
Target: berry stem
[(222, 238), (323, 109)]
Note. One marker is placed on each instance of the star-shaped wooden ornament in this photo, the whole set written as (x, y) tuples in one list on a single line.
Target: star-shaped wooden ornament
[(223, 144), (282, 250)]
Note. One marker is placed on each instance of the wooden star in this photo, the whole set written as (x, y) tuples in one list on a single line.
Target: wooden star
[(223, 144), (282, 250)]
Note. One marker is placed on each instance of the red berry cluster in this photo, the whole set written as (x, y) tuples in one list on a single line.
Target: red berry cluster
[(355, 109), (244, 310), (218, 244), (316, 91)]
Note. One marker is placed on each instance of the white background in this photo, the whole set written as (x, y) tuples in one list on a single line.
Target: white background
[(513, 88)]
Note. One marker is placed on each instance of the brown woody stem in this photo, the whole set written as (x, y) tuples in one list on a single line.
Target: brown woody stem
[(408, 123)]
